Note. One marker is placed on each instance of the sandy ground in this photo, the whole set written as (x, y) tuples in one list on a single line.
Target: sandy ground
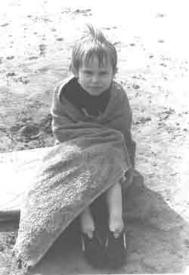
[(151, 39)]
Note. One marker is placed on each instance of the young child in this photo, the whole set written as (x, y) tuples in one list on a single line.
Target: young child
[(94, 65)]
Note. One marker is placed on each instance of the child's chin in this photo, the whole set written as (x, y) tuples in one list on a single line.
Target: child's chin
[(95, 92)]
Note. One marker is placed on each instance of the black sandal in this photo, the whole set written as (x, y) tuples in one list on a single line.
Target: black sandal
[(115, 249), (94, 249)]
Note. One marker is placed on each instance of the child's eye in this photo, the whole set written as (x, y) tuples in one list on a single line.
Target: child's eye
[(103, 73), (88, 72)]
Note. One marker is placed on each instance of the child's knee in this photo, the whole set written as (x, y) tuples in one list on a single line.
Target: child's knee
[(114, 193)]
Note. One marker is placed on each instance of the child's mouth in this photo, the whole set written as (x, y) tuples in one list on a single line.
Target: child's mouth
[(95, 87)]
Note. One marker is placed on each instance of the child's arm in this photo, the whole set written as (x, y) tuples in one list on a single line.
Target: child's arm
[(125, 127), (59, 121), (67, 122), (122, 120)]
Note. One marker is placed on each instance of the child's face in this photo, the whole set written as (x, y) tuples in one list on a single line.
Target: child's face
[(95, 78)]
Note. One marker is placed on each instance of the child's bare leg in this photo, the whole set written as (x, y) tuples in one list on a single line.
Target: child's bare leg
[(114, 202), (87, 222)]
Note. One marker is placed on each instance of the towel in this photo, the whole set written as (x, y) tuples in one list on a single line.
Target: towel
[(69, 177)]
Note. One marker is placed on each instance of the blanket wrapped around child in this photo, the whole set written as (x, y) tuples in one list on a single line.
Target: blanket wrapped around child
[(69, 177)]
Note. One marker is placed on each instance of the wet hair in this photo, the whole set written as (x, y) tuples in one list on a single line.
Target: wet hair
[(93, 44)]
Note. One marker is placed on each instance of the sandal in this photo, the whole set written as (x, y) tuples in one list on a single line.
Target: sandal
[(93, 249), (115, 249)]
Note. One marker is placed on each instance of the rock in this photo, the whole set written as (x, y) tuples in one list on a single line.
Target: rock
[(136, 86), (30, 131), (10, 57), (4, 25)]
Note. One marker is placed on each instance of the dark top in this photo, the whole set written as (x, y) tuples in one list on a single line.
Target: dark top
[(89, 104)]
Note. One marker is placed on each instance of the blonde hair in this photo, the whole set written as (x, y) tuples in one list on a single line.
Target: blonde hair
[(93, 43)]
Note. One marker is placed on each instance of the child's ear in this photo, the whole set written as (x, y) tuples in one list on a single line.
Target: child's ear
[(115, 71), (75, 72)]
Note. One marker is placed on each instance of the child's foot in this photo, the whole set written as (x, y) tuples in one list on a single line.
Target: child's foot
[(94, 249), (116, 225), (115, 250), (87, 223)]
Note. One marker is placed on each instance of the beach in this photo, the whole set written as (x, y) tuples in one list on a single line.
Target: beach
[(153, 67)]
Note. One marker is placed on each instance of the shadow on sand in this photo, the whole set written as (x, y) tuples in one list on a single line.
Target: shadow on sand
[(156, 237)]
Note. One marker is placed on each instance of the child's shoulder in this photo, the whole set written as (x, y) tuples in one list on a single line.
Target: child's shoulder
[(61, 84), (118, 90), (65, 81), (117, 85)]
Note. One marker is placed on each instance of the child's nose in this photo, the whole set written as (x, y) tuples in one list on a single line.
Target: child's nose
[(95, 78)]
